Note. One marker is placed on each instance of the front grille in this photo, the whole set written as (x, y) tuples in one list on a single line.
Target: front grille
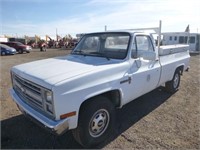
[(29, 92), (33, 95)]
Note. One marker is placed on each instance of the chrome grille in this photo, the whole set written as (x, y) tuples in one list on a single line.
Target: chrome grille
[(33, 95), (29, 92)]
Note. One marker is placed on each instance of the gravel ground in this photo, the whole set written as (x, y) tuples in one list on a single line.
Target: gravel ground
[(157, 120)]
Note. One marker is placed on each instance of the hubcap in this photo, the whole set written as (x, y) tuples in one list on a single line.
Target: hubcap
[(99, 123), (176, 81)]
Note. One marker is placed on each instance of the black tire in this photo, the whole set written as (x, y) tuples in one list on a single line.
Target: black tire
[(96, 122), (27, 51), (3, 53), (20, 51), (173, 85)]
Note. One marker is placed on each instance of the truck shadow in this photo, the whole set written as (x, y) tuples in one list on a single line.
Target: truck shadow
[(136, 110), (18, 132)]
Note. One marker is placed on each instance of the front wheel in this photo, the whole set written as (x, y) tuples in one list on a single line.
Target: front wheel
[(3, 53), (172, 86), (96, 121)]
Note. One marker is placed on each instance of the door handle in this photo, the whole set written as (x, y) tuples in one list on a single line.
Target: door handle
[(127, 80)]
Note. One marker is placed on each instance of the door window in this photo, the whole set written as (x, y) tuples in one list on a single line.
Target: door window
[(143, 43)]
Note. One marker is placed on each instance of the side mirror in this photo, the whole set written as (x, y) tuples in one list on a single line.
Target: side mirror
[(134, 54), (148, 55)]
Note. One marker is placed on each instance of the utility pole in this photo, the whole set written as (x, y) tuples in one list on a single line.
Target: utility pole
[(56, 35)]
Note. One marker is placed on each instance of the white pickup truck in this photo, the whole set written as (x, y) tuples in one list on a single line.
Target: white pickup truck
[(105, 71)]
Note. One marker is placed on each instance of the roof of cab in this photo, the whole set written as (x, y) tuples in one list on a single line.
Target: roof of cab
[(147, 31), (118, 31)]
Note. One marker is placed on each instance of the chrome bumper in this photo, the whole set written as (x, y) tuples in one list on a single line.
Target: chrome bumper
[(56, 127)]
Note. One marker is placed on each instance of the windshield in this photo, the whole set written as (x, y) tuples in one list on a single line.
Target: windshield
[(109, 45), (19, 44)]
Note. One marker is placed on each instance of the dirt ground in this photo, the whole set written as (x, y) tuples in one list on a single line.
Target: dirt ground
[(157, 120)]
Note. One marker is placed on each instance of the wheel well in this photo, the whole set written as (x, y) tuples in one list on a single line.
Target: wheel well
[(113, 96), (180, 69)]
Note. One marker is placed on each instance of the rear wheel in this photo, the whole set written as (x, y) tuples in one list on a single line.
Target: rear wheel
[(172, 86), (96, 120)]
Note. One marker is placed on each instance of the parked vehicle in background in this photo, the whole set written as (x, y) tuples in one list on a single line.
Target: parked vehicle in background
[(20, 48), (6, 50), (192, 39)]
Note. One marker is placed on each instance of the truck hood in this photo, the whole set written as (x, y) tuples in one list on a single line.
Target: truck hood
[(51, 71)]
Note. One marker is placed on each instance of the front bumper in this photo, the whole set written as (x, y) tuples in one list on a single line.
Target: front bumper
[(56, 127)]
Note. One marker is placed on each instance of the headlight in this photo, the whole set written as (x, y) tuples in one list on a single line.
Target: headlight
[(49, 108), (28, 48), (49, 102), (49, 97)]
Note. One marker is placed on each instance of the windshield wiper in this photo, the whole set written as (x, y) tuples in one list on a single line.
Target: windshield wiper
[(79, 52), (100, 54)]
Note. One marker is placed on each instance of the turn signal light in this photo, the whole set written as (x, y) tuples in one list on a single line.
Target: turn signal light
[(63, 116)]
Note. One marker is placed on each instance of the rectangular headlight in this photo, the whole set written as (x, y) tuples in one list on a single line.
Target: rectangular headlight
[(49, 97), (49, 108)]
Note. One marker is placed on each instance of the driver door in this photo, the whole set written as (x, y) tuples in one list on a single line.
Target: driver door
[(144, 74)]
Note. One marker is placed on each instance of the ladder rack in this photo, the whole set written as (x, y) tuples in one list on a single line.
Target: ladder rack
[(157, 30)]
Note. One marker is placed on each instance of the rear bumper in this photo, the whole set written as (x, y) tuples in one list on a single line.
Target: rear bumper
[(56, 127)]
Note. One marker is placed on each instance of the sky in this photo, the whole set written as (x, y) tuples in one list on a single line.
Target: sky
[(46, 17)]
